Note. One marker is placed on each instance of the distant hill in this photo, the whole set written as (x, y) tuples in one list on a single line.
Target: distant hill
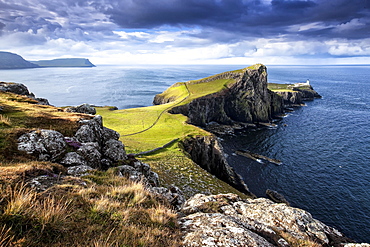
[(65, 62), (10, 60)]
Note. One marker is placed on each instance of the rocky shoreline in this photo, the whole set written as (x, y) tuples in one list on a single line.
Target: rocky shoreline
[(205, 220)]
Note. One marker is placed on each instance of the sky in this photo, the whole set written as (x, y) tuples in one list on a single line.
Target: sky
[(272, 32)]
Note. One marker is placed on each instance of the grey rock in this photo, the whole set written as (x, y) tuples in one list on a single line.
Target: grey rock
[(80, 170), (215, 229), (226, 219), (110, 134), (91, 130), (114, 150), (16, 88), (44, 144), (73, 159), (153, 178), (138, 171), (131, 173), (42, 183), (90, 152), (21, 89), (173, 195), (84, 108)]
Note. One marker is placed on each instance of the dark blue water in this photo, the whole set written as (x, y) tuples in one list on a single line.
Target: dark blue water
[(325, 146)]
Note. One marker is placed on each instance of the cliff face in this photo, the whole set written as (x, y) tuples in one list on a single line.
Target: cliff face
[(248, 100), (207, 152)]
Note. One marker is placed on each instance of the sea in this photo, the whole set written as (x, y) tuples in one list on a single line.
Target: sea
[(324, 146)]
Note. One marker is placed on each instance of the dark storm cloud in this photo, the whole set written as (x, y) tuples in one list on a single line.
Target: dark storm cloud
[(219, 20), (246, 18)]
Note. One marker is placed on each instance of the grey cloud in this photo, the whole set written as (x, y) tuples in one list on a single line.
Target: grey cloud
[(244, 18), (223, 21)]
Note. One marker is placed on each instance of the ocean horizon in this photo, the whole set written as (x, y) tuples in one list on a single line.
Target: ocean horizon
[(324, 145)]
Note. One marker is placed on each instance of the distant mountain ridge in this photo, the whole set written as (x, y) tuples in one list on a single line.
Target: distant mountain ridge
[(65, 62), (10, 60)]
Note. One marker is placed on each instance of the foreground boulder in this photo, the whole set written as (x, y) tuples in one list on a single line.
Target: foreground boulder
[(93, 145), (227, 220), (46, 145)]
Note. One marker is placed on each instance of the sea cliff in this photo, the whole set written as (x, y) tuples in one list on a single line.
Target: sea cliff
[(247, 99), (81, 155)]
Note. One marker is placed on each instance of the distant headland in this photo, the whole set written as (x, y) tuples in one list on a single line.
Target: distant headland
[(10, 60)]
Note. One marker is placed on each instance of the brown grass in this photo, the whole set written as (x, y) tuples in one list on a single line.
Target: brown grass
[(101, 209), (21, 114), (118, 213)]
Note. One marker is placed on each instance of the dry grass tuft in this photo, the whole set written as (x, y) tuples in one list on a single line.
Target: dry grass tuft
[(20, 200), (52, 211), (116, 213), (4, 120), (6, 238)]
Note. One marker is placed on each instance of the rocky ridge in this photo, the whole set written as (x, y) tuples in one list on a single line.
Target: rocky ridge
[(248, 100)]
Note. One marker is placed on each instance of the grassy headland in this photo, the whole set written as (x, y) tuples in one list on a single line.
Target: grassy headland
[(101, 209)]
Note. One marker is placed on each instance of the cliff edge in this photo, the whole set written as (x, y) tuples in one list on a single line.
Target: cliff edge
[(240, 96)]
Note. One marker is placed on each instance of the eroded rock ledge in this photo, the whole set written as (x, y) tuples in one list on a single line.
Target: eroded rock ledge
[(227, 220)]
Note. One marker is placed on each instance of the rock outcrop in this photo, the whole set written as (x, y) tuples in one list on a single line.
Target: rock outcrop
[(84, 108), (298, 95), (247, 100), (92, 145), (21, 89), (208, 153), (227, 220)]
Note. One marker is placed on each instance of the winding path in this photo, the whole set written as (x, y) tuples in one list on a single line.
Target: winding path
[(159, 116)]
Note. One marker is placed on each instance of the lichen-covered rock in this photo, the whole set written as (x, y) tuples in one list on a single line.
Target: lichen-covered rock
[(73, 159), (211, 218), (114, 150), (110, 134), (173, 195), (80, 170), (91, 130), (215, 229), (130, 172), (44, 144), (138, 171), (84, 108), (90, 152)]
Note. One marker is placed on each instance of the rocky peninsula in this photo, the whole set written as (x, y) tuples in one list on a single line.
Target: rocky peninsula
[(75, 157)]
